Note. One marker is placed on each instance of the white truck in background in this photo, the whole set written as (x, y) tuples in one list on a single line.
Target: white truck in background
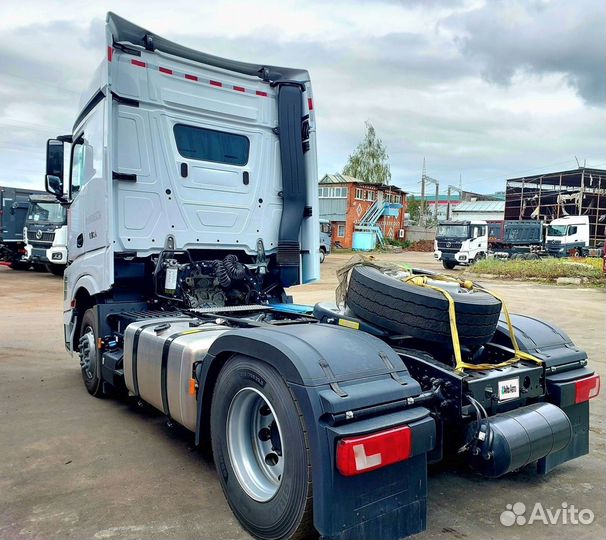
[(45, 231), (460, 242), (567, 236)]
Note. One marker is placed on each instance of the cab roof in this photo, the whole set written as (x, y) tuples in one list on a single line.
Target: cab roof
[(124, 32)]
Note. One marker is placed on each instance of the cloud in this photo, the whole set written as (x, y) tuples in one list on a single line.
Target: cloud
[(488, 89), (538, 37)]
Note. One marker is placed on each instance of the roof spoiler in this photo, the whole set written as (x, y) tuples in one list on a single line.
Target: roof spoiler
[(125, 31)]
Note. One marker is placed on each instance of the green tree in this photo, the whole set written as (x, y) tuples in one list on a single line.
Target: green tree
[(370, 161)]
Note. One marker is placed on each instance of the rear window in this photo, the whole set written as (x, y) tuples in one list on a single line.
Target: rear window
[(211, 145)]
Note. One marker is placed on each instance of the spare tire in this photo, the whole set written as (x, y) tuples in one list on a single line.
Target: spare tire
[(420, 312)]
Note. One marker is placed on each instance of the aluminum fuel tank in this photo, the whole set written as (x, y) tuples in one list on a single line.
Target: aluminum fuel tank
[(158, 361)]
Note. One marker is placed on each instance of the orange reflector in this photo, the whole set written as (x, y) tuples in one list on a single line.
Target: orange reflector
[(588, 388), (99, 343), (192, 387), (357, 455)]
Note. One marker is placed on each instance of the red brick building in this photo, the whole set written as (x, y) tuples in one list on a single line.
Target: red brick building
[(354, 206)]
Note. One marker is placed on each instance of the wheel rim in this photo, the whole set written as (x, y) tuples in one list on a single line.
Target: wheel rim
[(87, 353), (254, 442)]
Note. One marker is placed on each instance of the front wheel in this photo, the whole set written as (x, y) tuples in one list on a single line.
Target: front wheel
[(55, 269), (261, 450), (449, 265), (322, 256), (90, 356)]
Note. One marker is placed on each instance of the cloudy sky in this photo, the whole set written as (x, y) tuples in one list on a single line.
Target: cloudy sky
[(482, 89)]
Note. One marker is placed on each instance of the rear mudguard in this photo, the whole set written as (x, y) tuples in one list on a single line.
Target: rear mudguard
[(564, 364), (333, 370)]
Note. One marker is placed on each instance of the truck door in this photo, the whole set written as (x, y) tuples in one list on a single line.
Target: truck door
[(87, 215)]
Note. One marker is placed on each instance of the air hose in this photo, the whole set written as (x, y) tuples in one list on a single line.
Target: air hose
[(422, 281)]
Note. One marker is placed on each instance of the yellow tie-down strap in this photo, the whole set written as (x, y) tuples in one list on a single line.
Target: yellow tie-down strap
[(421, 281)]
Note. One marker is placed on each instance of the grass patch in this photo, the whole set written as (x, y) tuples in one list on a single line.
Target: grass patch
[(546, 269)]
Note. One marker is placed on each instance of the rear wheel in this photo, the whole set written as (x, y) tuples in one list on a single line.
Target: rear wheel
[(90, 356), (261, 450), (449, 265)]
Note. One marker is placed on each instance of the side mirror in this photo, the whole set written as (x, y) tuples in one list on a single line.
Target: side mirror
[(54, 185), (54, 167)]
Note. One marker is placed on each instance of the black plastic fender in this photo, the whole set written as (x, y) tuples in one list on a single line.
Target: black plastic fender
[(330, 370)]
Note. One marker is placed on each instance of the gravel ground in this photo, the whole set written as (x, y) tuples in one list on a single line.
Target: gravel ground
[(77, 467)]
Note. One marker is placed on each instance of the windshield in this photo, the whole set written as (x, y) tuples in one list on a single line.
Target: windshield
[(453, 231), (557, 230), (46, 213)]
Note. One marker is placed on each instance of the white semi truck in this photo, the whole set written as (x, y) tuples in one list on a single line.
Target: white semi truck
[(192, 205), (460, 242)]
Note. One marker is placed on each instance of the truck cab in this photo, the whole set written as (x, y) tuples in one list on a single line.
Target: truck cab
[(460, 242), (325, 238), (46, 233), (567, 236)]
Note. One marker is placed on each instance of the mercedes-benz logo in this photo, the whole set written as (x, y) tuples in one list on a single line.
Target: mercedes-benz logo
[(448, 244), (38, 235)]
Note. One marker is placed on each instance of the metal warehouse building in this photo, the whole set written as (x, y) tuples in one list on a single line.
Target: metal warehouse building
[(479, 210), (549, 196)]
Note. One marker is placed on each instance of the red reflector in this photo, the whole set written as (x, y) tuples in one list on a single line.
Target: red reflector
[(358, 455), (191, 77), (239, 89), (586, 389), (261, 93), (137, 63), (110, 54), (216, 83), (165, 70), (310, 104), (72, 304)]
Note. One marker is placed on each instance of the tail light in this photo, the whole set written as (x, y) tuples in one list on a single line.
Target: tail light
[(588, 388), (357, 455)]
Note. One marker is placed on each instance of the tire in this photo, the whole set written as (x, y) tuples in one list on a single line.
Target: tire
[(449, 265), (249, 393), (55, 269), (322, 255), (19, 266), (480, 256), (419, 312), (90, 357), (38, 267)]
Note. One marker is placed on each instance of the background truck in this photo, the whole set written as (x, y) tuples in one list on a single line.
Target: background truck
[(460, 242), (510, 239), (14, 203), (568, 236), (46, 234), (192, 206)]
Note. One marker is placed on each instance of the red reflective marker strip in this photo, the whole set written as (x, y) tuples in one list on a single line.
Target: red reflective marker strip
[(586, 389), (310, 104), (191, 77), (261, 93), (357, 455), (137, 63), (110, 54), (216, 83), (165, 70), (239, 89)]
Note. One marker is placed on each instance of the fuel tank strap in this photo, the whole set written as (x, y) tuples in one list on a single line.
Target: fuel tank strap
[(164, 368)]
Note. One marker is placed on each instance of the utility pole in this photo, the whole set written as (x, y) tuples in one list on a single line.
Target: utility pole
[(422, 213), (448, 203)]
